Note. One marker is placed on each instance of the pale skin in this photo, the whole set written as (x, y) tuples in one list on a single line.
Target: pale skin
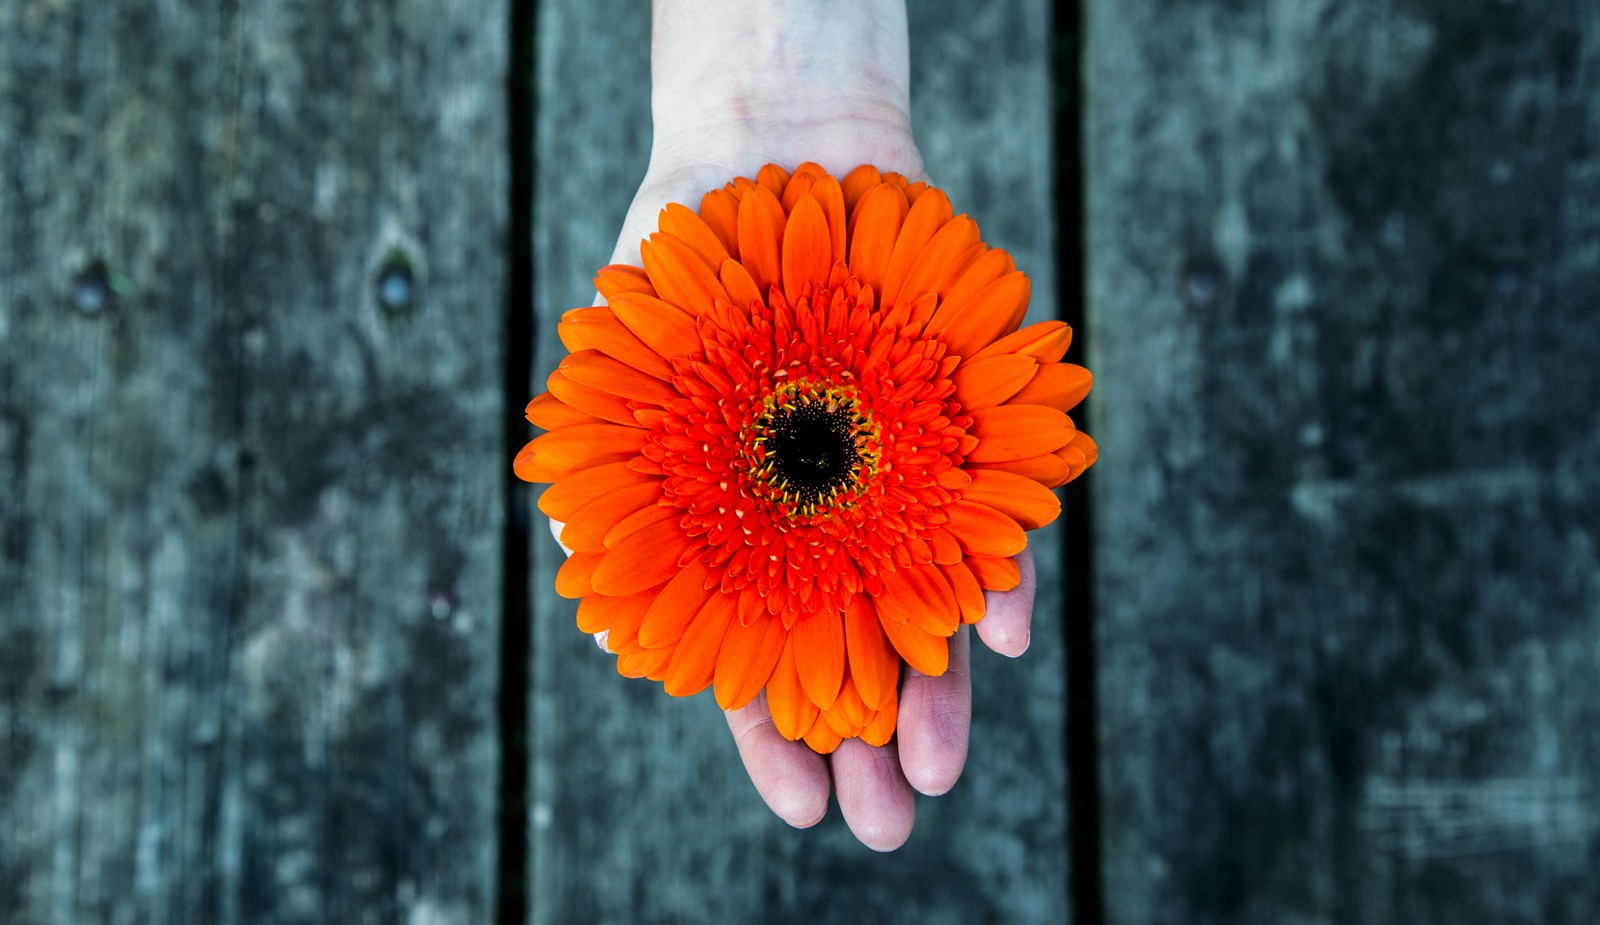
[(741, 83)]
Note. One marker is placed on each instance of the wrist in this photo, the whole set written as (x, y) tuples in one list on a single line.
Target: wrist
[(740, 83)]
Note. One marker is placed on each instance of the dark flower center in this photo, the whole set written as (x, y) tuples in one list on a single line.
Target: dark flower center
[(813, 449)]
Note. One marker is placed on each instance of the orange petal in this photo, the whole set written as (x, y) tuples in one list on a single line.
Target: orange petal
[(749, 653), (1022, 499), (917, 595), (620, 277), (807, 252), (741, 286), (550, 412), (562, 452), (680, 275), (572, 579), (618, 616), (984, 531), (953, 249), (599, 329), (666, 330), (1046, 469), (1017, 432), (595, 369), (643, 560), (691, 229), (720, 211), (988, 382), (881, 728), (646, 663), (875, 227), (836, 720), (761, 223), (928, 214), (1046, 342), (822, 738), (968, 324), (565, 498), (830, 196), (798, 185), (1078, 456), (873, 665), (995, 574), (921, 649), (1056, 385), (589, 400), (819, 655), (694, 660), (958, 268), (969, 594), (921, 308), (773, 178), (586, 531), (988, 268), (638, 520), (857, 182), (849, 709), (677, 604), (1089, 448), (792, 711), (953, 479), (945, 548)]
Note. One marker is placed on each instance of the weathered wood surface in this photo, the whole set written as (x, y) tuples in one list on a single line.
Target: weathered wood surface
[(641, 811), (249, 538), (1344, 263)]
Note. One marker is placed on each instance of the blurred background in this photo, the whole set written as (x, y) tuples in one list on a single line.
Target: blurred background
[(1318, 639)]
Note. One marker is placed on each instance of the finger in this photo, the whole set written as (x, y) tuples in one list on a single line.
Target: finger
[(935, 720), (791, 777), (1007, 624), (874, 796)]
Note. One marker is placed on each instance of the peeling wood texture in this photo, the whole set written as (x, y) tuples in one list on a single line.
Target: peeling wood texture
[(1344, 263), (641, 811), (249, 540)]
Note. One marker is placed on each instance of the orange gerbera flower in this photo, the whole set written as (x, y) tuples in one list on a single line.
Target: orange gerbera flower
[(797, 446)]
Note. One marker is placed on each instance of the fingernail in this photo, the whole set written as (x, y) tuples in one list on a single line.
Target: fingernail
[(1025, 644)]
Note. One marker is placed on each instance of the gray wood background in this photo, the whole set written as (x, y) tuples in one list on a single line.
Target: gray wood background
[(1344, 273), (250, 575), (1342, 263)]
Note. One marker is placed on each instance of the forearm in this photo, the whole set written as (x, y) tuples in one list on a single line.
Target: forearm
[(738, 83)]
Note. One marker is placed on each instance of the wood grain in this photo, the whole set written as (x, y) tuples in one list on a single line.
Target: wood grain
[(249, 571), (1343, 270), (642, 812)]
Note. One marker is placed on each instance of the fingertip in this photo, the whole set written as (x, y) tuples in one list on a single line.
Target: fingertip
[(936, 722), (801, 811), (934, 778), (1005, 634), (791, 778), (874, 796)]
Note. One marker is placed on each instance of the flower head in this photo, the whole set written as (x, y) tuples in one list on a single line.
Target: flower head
[(796, 448)]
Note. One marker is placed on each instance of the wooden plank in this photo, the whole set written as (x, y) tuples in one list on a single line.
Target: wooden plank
[(1343, 270), (249, 575), (642, 812)]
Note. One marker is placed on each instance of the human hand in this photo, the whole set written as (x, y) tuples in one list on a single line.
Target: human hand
[(736, 86)]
